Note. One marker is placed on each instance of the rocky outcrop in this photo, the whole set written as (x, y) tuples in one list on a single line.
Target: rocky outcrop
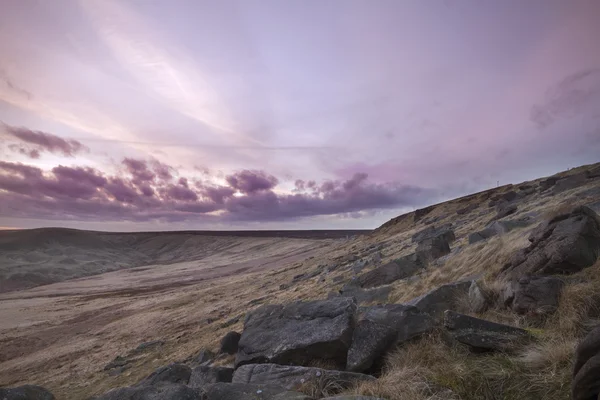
[(246, 391), (570, 182), (586, 368), (229, 343), (536, 295), (480, 334), (205, 375), (387, 273), (298, 333), (381, 328), (293, 377), (565, 244), (432, 248), (163, 391), (441, 299), (26, 392)]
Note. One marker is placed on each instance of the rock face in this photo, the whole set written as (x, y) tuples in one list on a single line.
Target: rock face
[(432, 248), (388, 273), (173, 373), (245, 391), (536, 295), (565, 244), (292, 377), (204, 375), (440, 299), (298, 333), (586, 368), (382, 327), (26, 392), (229, 343), (480, 334), (164, 391)]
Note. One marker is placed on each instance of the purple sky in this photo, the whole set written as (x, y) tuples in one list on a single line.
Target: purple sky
[(141, 115)]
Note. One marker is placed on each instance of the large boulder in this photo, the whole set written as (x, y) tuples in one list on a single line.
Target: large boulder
[(479, 299), (570, 182), (441, 298), (388, 273), (547, 183), (432, 231), (381, 328), (432, 248), (565, 244), (481, 335), (535, 295), (229, 343), (499, 228), (161, 391), (248, 391), (294, 377), (586, 368), (26, 392), (298, 333), (504, 209), (204, 375)]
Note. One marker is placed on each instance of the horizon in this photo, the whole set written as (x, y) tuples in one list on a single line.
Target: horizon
[(248, 115)]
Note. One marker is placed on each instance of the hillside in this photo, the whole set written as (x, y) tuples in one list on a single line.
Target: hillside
[(440, 271)]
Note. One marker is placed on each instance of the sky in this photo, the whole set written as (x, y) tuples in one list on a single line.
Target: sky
[(133, 115)]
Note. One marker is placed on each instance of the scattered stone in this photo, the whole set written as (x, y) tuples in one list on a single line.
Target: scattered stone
[(376, 258), (504, 210), (204, 357), (204, 375), (248, 391), (148, 345), (284, 286), (441, 299), (293, 377), (381, 328), (388, 273), (499, 228), (586, 368), (358, 266), (565, 244), (26, 392), (337, 279), (480, 334), (230, 322), (298, 333), (467, 209), (548, 183), (432, 248), (229, 343), (118, 362), (535, 295), (172, 373), (378, 295), (431, 231), (163, 391), (479, 301)]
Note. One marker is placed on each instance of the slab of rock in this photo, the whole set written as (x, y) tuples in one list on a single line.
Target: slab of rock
[(432, 248), (499, 228), (298, 333), (432, 231), (381, 328), (164, 391), (388, 273), (441, 299), (293, 377), (248, 391), (479, 300), (504, 210), (204, 375), (586, 368), (548, 183), (172, 373), (26, 392), (480, 334), (229, 343), (535, 295), (570, 182), (565, 244)]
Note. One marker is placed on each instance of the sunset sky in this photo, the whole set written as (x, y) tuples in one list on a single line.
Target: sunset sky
[(269, 114)]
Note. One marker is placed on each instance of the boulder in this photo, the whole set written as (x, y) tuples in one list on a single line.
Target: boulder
[(586, 368), (499, 228), (479, 300), (467, 209), (26, 392), (148, 346), (444, 231), (247, 391), (569, 182), (432, 248), (358, 266), (535, 295), (565, 244), (204, 375), (164, 391), (504, 210), (377, 295), (547, 183), (420, 213), (441, 299), (483, 335), (173, 373), (387, 273), (204, 357), (229, 343), (298, 333), (293, 377), (381, 328)]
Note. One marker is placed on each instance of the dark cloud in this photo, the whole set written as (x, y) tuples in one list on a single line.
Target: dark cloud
[(568, 98), (83, 193), (35, 142), (31, 153), (251, 181)]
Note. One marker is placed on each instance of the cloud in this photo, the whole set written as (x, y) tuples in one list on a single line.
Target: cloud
[(86, 194), (32, 143)]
